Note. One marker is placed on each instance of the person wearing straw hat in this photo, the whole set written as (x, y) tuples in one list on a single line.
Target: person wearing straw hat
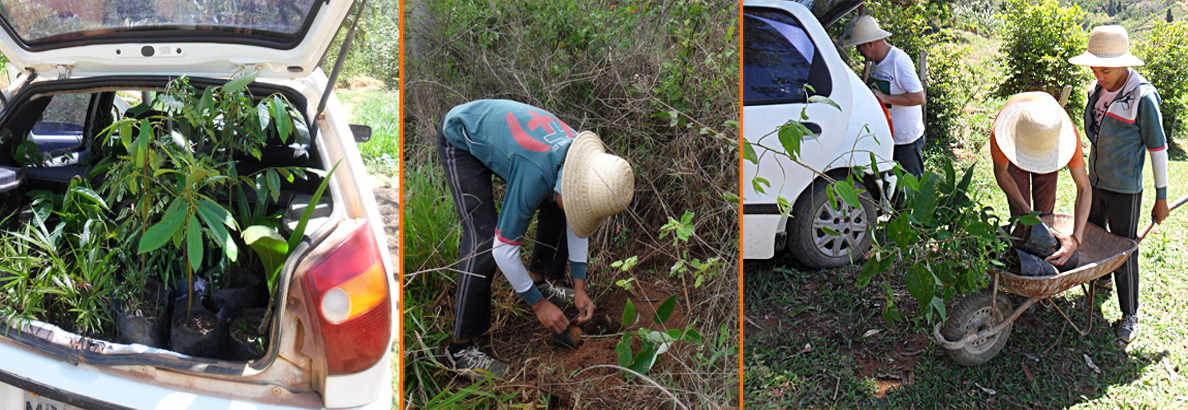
[(1031, 140), (896, 84), (569, 181), (1124, 124)]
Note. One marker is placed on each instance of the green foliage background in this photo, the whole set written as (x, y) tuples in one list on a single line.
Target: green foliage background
[(1040, 37), (1165, 52)]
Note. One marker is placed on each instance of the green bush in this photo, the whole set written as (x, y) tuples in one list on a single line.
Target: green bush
[(1040, 37), (375, 51), (1165, 52)]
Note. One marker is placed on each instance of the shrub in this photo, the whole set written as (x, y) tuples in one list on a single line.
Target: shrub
[(375, 51), (1040, 37), (1165, 52)]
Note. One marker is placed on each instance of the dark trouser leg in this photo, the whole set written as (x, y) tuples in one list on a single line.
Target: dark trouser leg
[(1121, 213), (470, 185), (1023, 182), (908, 156), (549, 253), (1043, 192)]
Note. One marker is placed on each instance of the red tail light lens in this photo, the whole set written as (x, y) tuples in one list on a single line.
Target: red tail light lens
[(349, 297)]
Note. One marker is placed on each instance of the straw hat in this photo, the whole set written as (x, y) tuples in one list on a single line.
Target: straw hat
[(594, 184), (1109, 46), (865, 30), (1036, 135)]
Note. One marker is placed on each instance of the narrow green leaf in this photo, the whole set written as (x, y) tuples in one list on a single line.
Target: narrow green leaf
[(818, 99), (845, 190), (273, 181), (623, 350), (264, 114), (216, 213), (299, 231), (749, 153), (239, 83), (142, 141), (158, 234), (665, 310), (791, 135)]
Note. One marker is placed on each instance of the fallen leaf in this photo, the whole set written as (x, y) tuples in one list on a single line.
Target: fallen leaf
[(807, 348), (1089, 362), (1027, 372), (871, 332), (986, 389), (1033, 358)]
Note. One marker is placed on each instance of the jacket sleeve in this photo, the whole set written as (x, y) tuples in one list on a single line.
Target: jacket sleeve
[(1151, 132)]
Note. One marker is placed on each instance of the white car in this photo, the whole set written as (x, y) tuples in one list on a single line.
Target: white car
[(786, 48), (68, 61)]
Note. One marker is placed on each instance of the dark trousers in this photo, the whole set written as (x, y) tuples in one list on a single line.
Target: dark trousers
[(1041, 187), (1119, 213), (471, 187), (908, 156)]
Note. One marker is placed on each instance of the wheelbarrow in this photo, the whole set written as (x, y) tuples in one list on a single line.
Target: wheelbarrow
[(977, 328)]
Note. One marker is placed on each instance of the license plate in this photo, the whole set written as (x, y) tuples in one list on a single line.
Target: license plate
[(34, 401)]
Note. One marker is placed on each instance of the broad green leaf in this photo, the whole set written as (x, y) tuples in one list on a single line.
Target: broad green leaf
[(623, 350), (629, 315), (126, 135), (91, 195), (216, 213), (845, 190), (665, 310), (691, 336), (749, 153), (901, 232), (142, 141), (1029, 219), (194, 242), (206, 104), (215, 227), (239, 83), (270, 247), (921, 283), (791, 135), (158, 234), (644, 358), (264, 114)]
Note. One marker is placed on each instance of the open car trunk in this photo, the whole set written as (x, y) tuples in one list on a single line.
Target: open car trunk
[(57, 119)]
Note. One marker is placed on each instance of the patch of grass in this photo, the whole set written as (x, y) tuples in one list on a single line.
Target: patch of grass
[(380, 110)]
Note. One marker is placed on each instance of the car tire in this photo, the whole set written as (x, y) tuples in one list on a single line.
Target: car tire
[(810, 244), (973, 314)]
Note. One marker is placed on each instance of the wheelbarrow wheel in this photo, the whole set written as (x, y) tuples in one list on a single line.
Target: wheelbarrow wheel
[(971, 315)]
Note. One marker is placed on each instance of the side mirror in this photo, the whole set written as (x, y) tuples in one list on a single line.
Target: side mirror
[(362, 132)]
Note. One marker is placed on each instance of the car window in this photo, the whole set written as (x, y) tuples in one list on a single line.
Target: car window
[(779, 59), (60, 127)]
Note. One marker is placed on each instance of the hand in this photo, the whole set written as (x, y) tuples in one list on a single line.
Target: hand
[(879, 94), (550, 316), (1159, 211), (1068, 245), (584, 305)]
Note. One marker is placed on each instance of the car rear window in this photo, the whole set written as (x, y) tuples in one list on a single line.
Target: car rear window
[(779, 59), (42, 22)]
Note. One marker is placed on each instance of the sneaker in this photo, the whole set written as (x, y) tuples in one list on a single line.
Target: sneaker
[(1127, 328), (557, 295), (471, 361)]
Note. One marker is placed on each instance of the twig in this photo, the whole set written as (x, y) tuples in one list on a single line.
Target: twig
[(637, 374)]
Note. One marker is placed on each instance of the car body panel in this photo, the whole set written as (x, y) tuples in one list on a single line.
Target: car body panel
[(847, 137)]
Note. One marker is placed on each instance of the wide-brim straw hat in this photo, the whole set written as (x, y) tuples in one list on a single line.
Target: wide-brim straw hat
[(1036, 134), (865, 30), (1109, 46), (594, 184)]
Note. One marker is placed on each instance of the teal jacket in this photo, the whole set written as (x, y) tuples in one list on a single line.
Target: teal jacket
[(1131, 127)]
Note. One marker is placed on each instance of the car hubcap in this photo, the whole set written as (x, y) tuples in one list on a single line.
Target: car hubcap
[(849, 221)]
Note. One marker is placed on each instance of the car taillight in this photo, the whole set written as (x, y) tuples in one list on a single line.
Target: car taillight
[(349, 297)]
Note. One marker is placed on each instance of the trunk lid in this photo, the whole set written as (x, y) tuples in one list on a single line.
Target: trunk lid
[(284, 38)]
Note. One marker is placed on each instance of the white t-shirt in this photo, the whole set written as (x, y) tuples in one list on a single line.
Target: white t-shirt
[(899, 72)]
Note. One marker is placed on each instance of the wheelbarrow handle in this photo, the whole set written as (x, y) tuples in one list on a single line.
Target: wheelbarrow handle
[(1170, 208)]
